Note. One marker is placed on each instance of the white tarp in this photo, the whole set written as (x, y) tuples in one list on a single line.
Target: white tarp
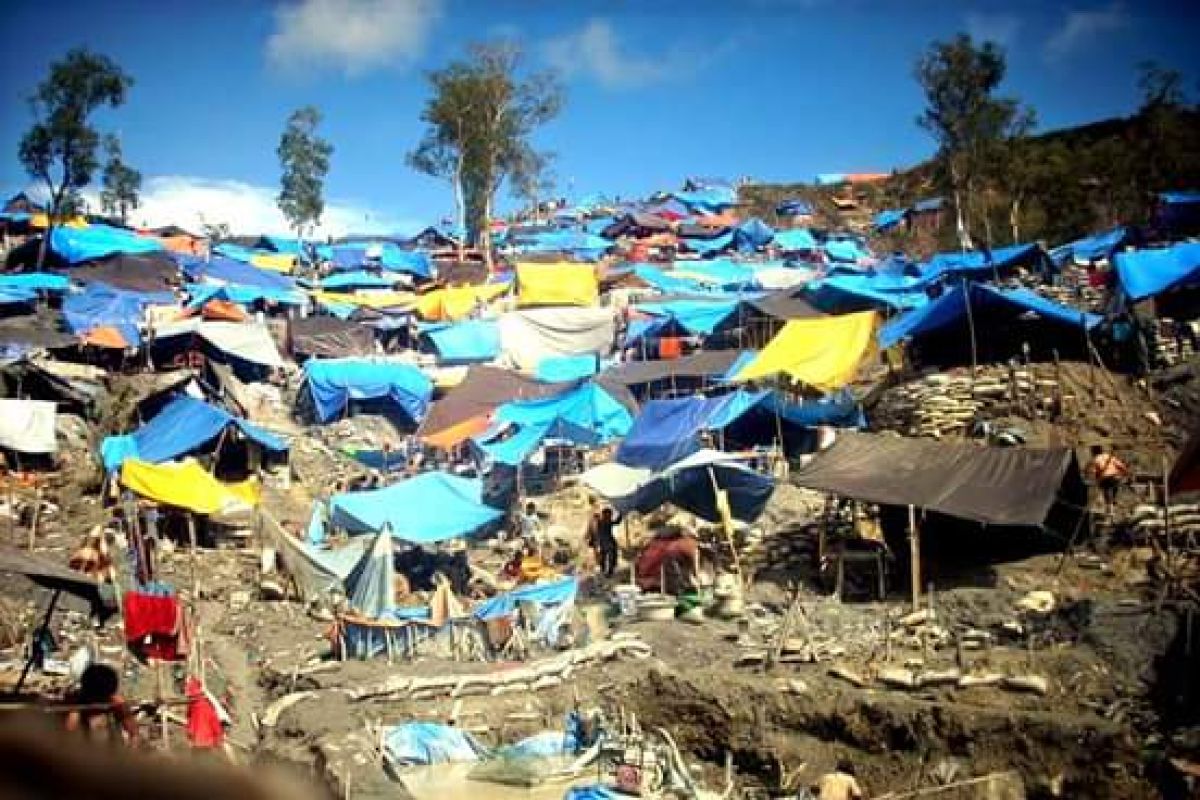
[(248, 341), (615, 481), (28, 426), (783, 277), (527, 337)]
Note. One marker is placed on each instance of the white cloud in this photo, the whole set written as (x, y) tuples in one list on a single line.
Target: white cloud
[(595, 51), (191, 202), (354, 36), (1081, 28), (998, 28)]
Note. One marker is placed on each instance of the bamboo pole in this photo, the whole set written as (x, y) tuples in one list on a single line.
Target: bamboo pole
[(971, 329), (191, 526), (737, 561), (914, 554)]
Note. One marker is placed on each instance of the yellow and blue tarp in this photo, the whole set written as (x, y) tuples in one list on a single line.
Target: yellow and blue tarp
[(456, 302), (187, 485), (822, 352)]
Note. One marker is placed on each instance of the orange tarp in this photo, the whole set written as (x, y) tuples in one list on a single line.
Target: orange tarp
[(105, 337), (224, 310), (455, 434)]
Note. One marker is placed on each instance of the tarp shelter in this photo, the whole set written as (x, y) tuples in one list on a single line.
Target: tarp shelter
[(371, 584), (248, 342), (1091, 248), (36, 282), (795, 240), (189, 486), (100, 306), (76, 245), (183, 426), (28, 426), (1145, 273), (885, 292), (359, 279), (715, 365), (722, 273), (785, 304), (794, 207), (983, 262), (708, 245), (333, 383), (528, 336), (428, 508), (889, 218), (692, 317), (824, 352), (567, 368), (687, 483), (992, 310), (993, 485), (752, 234), (586, 406), (559, 284), (456, 302), (466, 342), (53, 577), (330, 337), (138, 272)]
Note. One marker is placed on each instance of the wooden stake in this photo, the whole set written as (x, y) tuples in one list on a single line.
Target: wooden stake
[(191, 525), (37, 513), (162, 694), (914, 554)]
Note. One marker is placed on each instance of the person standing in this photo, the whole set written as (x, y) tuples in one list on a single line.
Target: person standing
[(1110, 472), (604, 541)]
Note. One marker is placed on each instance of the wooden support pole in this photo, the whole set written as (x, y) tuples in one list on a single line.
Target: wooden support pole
[(191, 526), (914, 555), (37, 513), (971, 328)]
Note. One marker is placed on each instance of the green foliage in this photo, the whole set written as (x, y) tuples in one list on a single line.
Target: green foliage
[(479, 118), (122, 183), (304, 159), (60, 148)]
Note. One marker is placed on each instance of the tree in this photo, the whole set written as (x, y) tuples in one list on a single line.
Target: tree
[(122, 183), (533, 180), (60, 148), (304, 158), (965, 118), (479, 120)]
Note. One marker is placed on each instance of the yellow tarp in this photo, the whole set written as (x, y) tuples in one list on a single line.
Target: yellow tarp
[(456, 302), (824, 353), (42, 220), (278, 262), (368, 299), (185, 484), (560, 284)]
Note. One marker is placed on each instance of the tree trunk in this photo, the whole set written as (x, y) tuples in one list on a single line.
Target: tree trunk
[(460, 206), (1014, 218), (485, 231), (964, 238)]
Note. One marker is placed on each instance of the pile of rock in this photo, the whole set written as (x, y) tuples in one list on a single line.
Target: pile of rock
[(1175, 341), (1152, 521)]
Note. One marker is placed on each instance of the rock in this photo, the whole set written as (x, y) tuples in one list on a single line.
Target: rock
[(271, 590), (943, 677), (986, 679), (897, 678), (848, 675), (1027, 683)]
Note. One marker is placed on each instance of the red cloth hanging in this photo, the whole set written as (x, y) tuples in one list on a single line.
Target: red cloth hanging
[(670, 347), (155, 626), (204, 727)]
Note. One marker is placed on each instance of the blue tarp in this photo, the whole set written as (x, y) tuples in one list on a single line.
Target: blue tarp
[(544, 594), (586, 406), (720, 272), (831, 178), (951, 308), (559, 369), (889, 218), (849, 250), (183, 426), (429, 508), (794, 208), (35, 282), (580, 243), (422, 743), (1090, 248), (100, 306), (689, 485), (668, 430), (710, 199), (595, 791), (464, 342), (1145, 273), (353, 255), (76, 245), (15, 295), (978, 261), (1179, 198), (239, 253), (752, 234), (230, 271), (371, 585), (705, 246), (697, 317), (359, 279), (795, 239), (283, 244), (201, 293), (879, 291), (666, 283), (333, 383)]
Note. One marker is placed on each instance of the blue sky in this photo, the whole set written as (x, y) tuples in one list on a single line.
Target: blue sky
[(772, 89)]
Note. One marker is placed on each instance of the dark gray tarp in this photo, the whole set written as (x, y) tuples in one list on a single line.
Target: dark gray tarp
[(330, 337), (458, 273), (484, 388), (785, 305), (42, 330), (993, 485), (701, 364), (53, 577), (133, 272)]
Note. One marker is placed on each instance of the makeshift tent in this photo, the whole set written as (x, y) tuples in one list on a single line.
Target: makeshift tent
[(142, 272), (714, 365), (992, 311), (329, 337), (885, 292), (429, 508), (692, 317), (1145, 273), (567, 368), (561, 284), (993, 485), (333, 383), (189, 486), (846, 249), (184, 426), (783, 277), (708, 199), (794, 207), (824, 352), (35, 282), (985, 262), (722, 273), (785, 305), (463, 342), (227, 271), (707, 245), (100, 306), (55, 578), (248, 342), (528, 336), (1091, 248), (667, 282), (888, 218), (578, 243), (752, 234), (28, 426), (687, 483), (359, 279), (76, 245), (456, 302), (795, 240), (586, 406), (371, 584)]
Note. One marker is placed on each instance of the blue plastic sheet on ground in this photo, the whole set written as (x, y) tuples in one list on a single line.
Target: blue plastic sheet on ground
[(423, 743), (333, 383), (464, 342), (102, 306), (1145, 273), (183, 425), (76, 245), (951, 309), (428, 508)]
